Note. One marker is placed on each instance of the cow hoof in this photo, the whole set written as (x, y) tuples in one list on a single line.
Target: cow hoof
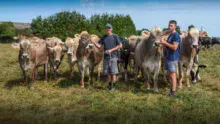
[(188, 86), (180, 87), (194, 81), (82, 86), (31, 88), (45, 81), (156, 91)]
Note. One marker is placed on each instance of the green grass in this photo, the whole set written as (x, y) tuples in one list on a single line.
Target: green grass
[(63, 101)]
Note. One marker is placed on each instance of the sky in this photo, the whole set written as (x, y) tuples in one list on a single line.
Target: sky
[(145, 13)]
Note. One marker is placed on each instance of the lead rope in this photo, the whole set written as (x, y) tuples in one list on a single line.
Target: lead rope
[(110, 58)]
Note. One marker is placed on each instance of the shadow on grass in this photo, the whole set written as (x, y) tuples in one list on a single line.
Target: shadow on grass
[(139, 84), (15, 82)]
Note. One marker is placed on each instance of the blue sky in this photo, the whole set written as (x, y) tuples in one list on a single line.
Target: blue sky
[(145, 13)]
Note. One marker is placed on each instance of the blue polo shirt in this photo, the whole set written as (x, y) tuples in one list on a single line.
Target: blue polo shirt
[(109, 42), (172, 55)]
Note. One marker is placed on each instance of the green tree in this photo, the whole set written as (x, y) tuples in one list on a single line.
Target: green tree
[(7, 30), (122, 24), (61, 25), (25, 32), (177, 29)]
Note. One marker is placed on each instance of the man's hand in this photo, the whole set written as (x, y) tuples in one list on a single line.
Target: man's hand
[(162, 41), (108, 51)]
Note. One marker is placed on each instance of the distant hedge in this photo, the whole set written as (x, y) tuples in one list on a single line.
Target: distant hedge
[(66, 24)]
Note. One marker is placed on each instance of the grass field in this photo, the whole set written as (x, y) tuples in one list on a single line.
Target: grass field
[(63, 101)]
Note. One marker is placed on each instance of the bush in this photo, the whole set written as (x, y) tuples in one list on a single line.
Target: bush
[(7, 30), (25, 32), (66, 24), (122, 24)]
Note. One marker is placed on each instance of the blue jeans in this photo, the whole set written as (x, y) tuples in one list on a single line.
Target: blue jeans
[(171, 66)]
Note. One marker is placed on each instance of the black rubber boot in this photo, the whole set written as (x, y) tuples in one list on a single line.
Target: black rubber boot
[(113, 86), (109, 86)]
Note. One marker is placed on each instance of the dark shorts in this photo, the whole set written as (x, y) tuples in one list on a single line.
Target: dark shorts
[(171, 66), (110, 66)]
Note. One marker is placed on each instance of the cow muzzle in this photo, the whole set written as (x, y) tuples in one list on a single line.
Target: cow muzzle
[(25, 55), (57, 60), (69, 53), (89, 46)]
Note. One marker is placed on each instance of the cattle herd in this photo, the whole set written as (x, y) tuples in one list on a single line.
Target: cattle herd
[(142, 53)]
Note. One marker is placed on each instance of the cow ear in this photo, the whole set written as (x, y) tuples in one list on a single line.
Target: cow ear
[(184, 33), (15, 45), (64, 49), (50, 49), (166, 33), (77, 36), (145, 33), (203, 33)]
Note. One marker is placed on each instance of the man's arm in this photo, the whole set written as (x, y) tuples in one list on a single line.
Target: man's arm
[(115, 48), (97, 45), (171, 46)]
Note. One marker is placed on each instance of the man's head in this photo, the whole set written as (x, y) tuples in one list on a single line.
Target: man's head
[(108, 28), (172, 25)]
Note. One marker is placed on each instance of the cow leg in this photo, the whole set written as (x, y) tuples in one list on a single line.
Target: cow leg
[(136, 69), (71, 70), (45, 72), (25, 76), (33, 72), (147, 79), (60, 61), (91, 70), (181, 74), (99, 70), (199, 78), (156, 72), (125, 70), (163, 70), (82, 73), (55, 72), (188, 76), (126, 62)]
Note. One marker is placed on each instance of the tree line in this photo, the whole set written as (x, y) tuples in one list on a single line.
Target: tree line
[(67, 23)]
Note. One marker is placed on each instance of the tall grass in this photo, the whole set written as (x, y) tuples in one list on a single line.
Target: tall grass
[(63, 101)]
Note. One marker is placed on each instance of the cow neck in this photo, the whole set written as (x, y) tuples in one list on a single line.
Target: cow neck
[(188, 46)]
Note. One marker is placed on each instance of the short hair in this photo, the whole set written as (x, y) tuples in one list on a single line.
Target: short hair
[(173, 22)]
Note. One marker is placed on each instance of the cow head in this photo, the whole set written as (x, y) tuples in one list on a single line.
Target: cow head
[(194, 37), (57, 51), (157, 34), (24, 53), (85, 41), (24, 47), (71, 45)]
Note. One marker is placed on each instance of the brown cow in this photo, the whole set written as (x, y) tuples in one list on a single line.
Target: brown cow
[(32, 54), (88, 56), (72, 45), (56, 53), (188, 46), (148, 54)]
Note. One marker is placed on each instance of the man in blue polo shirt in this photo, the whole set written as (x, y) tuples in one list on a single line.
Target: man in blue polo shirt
[(172, 55), (112, 44)]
